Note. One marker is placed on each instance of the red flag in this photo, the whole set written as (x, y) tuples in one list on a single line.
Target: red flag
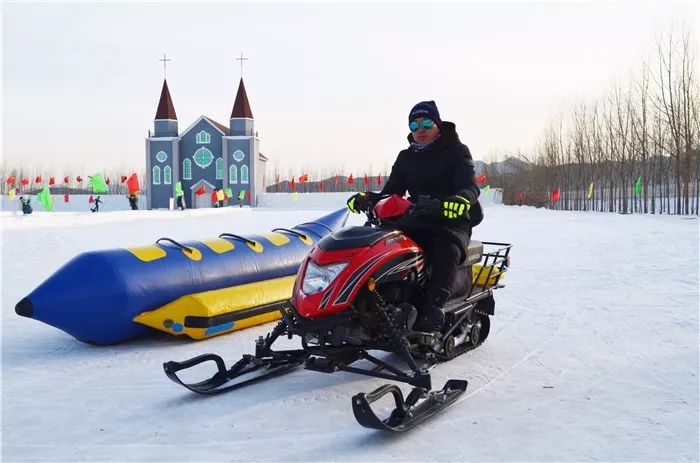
[(335, 180), (379, 179), (91, 199), (10, 180), (25, 181), (351, 180), (292, 185), (38, 179), (320, 186), (366, 180), (247, 196), (214, 197), (132, 183), (200, 191), (66, 197), (79, 179), (107, 181), (481, 179), (555, 195), (52, 181), (65, 179), (304, 178), (16, 190), (124, 177)]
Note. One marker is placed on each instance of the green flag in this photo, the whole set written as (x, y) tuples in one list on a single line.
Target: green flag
[(98, 184), (178, 189), (486, 189), (638, 186), (229, 192), (44, 197), (241, 195)]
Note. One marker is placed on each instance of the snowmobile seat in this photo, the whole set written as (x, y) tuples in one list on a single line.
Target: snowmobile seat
[(474, 252), (353, 237)]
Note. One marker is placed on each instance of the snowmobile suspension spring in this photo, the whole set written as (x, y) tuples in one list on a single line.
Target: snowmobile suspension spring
[(396, 337)]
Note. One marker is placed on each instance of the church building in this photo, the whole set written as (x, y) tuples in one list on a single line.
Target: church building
[(205, 156)]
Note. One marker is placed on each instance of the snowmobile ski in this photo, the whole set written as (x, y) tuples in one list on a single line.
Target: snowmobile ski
[(408, 413)]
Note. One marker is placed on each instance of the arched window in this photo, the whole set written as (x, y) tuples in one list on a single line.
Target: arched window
[(219, 168), (244, 174), (233, 174), (187, 169), (167, 175), (203, 137), (156, 176), (203, 157)]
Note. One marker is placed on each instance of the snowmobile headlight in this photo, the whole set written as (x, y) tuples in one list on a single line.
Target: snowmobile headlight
[(318, 277)]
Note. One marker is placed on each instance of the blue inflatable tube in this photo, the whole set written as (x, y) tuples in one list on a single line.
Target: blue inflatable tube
[(96, 295)]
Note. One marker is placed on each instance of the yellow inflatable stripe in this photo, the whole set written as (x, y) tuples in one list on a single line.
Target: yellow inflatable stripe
[(278, 239), (257, 247), (148, 253), (219, 246), (170, 318), (194, 254)]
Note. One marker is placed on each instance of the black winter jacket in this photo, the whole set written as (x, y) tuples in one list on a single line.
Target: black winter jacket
[(446, 168)]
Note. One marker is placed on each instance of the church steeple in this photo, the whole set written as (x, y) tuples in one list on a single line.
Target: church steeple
[(241, 107), (165, 123), (241, 122), (166, 110)]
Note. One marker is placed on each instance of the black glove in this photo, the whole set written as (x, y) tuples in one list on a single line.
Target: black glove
[(455, 206), (359, 202)]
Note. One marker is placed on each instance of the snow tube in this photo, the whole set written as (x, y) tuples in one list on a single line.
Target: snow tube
[(96, 296)]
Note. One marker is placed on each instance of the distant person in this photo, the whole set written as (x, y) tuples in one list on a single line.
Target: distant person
[(214, 198), (97, 205), (26, 205), (133, 201), (181, 202)]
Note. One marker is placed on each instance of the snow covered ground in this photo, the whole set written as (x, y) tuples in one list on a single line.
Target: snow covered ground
[(593, 355)]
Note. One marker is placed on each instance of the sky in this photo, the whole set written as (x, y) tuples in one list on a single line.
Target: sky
[(330, 84)]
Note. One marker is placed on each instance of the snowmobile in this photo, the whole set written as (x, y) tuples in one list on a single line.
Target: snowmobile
[(357, 292)]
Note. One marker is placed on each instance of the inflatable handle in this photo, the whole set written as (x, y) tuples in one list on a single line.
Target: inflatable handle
[(181, 246), (238, 237), (294, 232)]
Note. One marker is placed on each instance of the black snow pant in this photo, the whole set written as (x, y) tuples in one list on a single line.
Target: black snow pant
[(442, 255)]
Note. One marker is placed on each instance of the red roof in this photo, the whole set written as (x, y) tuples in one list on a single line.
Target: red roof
[(221, 127), (241, 107), (166, 110)]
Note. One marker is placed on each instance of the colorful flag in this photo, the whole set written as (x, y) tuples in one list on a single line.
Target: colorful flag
[(52, 181), (486, 189), (351, 180), (178, 189), (379, 179), (124, 177), (200, 191), (65, 179), (91, 200), (220, 195), (481, 179), (107, 181), (366, 180), (38, 179), (320, 186), (66, 197), (11, 194), (10, 180), (79, 179), (25, 181), (555, 195), (304, 178), (44, 197), (292, 185), (638, 186), (98, 183), (247, 196), (132, 184), (590, 191), (241, 195)]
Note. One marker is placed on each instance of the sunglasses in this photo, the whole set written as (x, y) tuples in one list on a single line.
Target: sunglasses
[(425, 123)]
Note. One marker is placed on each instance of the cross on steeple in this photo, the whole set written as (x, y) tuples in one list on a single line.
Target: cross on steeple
[(241, 59), (165, 63)]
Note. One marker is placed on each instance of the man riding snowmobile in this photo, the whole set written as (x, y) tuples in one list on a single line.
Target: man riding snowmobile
[(438, 165)]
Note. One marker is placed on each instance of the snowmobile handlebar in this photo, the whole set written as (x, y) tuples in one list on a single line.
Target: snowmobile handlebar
[(421, 205)]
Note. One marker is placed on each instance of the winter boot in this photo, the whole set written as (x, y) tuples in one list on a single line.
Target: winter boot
[(430, 314)]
